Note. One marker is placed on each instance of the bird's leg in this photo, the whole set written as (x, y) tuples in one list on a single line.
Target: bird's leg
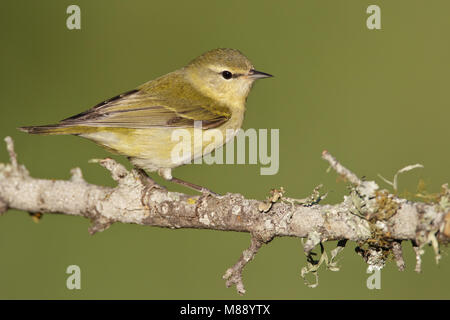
[(195, 187), (166, 173)]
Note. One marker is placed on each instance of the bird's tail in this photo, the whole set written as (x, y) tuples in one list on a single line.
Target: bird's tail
[(51, 129)]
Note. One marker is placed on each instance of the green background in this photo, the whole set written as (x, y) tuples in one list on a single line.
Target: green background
[(376, 99)]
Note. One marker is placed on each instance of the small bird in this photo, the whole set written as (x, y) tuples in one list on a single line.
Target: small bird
[(139, 124)]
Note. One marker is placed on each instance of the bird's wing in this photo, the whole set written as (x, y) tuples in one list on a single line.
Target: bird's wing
[(142, 109)]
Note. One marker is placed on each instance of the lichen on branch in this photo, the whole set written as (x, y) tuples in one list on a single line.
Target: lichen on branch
[(376, 219)]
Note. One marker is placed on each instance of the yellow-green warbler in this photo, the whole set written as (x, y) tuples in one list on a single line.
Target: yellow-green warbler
[(139, 123)]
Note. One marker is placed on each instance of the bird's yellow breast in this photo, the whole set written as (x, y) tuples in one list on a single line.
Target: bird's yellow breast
[(156, 148)]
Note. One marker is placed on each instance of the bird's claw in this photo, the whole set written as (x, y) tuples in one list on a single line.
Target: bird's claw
[(206, 192)]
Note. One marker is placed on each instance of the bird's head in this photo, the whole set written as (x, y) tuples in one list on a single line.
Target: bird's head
[(225, 75)]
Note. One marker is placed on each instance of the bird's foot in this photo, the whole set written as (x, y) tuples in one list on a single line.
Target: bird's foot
[(149, 184), (206, 192)]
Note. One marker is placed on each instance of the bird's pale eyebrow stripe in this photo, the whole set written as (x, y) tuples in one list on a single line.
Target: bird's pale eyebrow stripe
[(234, 75)]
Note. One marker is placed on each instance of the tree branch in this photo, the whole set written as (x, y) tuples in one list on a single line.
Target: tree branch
[(377, 220)]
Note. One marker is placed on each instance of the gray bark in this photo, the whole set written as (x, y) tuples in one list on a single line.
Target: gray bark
[(356, 218)]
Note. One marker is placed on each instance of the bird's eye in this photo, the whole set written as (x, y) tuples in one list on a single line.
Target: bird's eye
[(227, 75)]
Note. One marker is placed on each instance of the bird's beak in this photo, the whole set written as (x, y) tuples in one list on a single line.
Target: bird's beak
[(253, 74)]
